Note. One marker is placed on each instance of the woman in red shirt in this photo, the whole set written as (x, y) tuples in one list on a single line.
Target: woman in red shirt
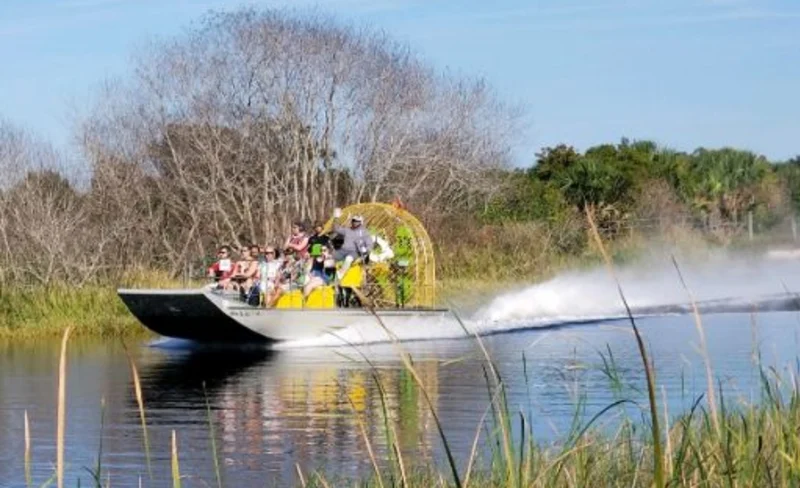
[(297, 243)]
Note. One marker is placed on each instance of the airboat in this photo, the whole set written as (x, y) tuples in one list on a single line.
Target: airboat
[(390, 295)]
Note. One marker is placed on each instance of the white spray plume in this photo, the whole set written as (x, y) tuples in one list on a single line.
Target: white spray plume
[(592, 295), (655, 282)]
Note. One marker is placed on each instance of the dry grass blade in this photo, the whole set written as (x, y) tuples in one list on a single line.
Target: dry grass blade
[(658, 461), (405, 358), (667, 438), (28, 481), (212, 436), (137, 388), (300, 475), (474, 450), (503, 413), (363, 428), (383, 396), (176, 469), (61, 409), (321, 479), (710, 393)]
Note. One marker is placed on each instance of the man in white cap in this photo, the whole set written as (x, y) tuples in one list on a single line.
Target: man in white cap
[(357, 241)]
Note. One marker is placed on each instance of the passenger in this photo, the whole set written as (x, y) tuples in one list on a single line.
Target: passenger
[(318, 240), (256, 253), (386, 253), (357, 242), (246, 269), (268, 273), (222, 270), (297, 242), (320, 269), (251, 285), (290, 273)]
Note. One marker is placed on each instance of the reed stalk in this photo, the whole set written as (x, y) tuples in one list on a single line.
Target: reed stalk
[(391, 432), (212, 436), (137, 389), (502, 410), (409, 366), (61, 409), (370, 451), (658, 456), (176, 469), (300, 475), (712, 402), (28, 481)]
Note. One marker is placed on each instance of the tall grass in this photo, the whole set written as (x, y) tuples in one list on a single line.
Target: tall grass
[(36, 312), (658, 459), (94, 309)]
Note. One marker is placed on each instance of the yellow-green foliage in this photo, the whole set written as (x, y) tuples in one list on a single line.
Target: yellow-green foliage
[(37, 311), (34, 311)]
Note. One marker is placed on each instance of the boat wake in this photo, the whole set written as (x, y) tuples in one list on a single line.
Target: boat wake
[(719, 285)]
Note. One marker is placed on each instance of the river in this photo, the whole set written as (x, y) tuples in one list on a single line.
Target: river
[(275, 411)]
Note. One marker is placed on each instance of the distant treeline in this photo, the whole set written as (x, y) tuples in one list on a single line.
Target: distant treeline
[(255, 119), (638, 181)]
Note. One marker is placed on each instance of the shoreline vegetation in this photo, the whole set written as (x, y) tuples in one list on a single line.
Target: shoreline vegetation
[(37, 311), (95, 310)]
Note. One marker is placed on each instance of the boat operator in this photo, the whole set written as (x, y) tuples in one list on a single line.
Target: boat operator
[(357, 242)]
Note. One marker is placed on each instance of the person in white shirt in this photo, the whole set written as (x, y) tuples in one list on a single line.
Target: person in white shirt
[(381, 250)]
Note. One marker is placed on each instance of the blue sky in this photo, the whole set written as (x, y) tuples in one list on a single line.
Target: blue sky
[(685, 73)]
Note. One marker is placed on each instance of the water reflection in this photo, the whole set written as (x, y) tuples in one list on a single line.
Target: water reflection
[(273, 409)]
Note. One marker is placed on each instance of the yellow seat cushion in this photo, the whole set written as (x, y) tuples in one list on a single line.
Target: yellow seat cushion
[(322, 297), (353, 277), (290, 299)]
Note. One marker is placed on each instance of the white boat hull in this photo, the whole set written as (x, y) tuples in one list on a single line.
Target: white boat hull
[(206, 316)]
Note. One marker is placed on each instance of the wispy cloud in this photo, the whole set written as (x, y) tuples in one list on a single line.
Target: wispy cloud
[(84, 4), (610, 16)]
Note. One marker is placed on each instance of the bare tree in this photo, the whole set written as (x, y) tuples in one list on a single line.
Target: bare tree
[(258, 118), (45, 232)]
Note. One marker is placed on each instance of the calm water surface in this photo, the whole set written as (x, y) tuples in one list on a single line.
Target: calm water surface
[(274, 410)]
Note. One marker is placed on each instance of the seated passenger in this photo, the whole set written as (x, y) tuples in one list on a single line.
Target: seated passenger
[(318, 240), (246, 269), (290, 277), (357, 243), (297, 243), (250, 285), (291, 273), (320, 269), (268, 273), (223, 268)]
